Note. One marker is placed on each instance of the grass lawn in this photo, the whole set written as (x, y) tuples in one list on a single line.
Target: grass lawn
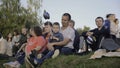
[(75, 61)]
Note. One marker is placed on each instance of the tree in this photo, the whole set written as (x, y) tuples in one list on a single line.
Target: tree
[(34, 7), (13, 15), (80, 30)]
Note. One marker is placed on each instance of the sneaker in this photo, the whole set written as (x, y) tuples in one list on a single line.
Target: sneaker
[(39, 56), (9, 65), (56, 53), (89, 49), (80, 50)]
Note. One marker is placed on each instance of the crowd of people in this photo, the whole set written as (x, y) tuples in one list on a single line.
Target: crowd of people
[(37, 44)]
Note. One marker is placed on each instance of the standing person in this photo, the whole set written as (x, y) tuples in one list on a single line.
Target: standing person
[(76, 39), (68, 34)]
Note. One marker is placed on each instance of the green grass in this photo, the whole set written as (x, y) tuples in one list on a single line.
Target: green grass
[(75, 61)]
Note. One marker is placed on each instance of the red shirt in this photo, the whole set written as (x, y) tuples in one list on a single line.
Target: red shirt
[(33, 42)]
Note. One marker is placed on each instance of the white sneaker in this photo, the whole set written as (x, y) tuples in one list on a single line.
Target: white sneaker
[(80, 50), (35, 61), (8, 65), (39, 56), (56, 53), (90, 49)]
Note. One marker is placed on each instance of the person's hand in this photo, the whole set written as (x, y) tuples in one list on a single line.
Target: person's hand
[(89, 33), (55, 38), (50, 46)]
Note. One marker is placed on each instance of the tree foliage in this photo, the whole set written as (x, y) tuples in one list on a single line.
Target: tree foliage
[(80, 30), (13, 15)]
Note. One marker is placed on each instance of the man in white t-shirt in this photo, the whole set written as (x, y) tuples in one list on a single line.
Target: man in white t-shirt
[(68, 34)]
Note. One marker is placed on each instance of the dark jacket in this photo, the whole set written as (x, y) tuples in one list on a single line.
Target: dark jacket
[(98, 34), (76, 41)]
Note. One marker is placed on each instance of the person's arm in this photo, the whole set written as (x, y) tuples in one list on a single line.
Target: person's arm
[(55, 38), (38, 48), (62, 43), (87, 33), (103, 31), (22, 47), (67, 38), (61, 37)]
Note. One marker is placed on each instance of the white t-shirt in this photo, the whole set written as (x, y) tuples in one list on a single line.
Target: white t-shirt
[(113, 28), (118, 33), (70, 34)]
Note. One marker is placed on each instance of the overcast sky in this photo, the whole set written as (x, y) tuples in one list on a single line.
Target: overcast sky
[(83, 12)]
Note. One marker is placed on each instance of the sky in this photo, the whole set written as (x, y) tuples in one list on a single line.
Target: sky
[(83, 12)]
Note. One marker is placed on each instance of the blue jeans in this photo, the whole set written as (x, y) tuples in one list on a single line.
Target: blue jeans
[(47, 56), (21, 57), (66, 51)]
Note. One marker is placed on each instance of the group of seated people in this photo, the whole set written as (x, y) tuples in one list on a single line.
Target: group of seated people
[(33, 47)]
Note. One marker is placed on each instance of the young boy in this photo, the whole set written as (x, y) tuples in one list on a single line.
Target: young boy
[(56, 37)]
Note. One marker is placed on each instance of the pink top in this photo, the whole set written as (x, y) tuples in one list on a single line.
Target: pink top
[(33, 42)]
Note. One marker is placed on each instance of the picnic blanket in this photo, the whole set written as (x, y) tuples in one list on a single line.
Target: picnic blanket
[(102, 52)]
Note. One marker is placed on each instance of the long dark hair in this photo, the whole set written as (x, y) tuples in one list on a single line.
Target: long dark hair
[(16, 31), (7, 38), (116, 21)]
